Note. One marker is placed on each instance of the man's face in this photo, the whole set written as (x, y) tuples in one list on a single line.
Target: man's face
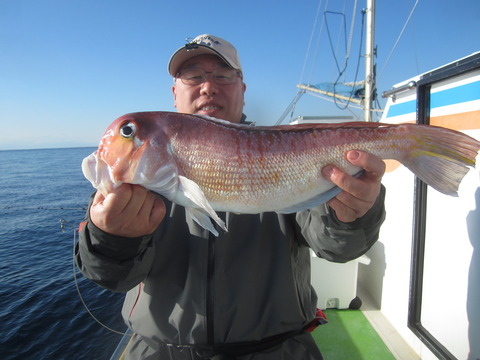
[(209, 98)]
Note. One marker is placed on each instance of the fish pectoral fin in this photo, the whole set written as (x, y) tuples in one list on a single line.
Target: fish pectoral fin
[(200, 208), (313, 202)]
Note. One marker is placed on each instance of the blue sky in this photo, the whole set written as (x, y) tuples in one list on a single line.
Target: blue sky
[(68, 68)]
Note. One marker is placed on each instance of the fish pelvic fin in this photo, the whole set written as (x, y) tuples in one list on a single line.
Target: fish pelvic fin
[(198, 208), (313, 202), (316, 200), (442, 158), (202, 219)]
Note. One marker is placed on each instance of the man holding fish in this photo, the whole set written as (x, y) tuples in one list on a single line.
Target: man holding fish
[(246, 293)]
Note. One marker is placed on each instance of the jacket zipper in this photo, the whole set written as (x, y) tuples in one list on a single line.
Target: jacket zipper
[(210, 290)]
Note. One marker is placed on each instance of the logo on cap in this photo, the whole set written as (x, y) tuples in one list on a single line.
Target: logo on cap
[(205, 40)]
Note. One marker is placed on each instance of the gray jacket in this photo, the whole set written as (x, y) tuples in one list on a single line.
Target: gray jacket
[(185, 286)]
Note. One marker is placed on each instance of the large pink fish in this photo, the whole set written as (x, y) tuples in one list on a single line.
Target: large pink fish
[(210, 165)]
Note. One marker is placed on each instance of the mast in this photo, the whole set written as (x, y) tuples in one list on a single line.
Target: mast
[(369, 61)]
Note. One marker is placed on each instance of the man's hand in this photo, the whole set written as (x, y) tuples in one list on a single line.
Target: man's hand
[(359, 194), (128, 211)]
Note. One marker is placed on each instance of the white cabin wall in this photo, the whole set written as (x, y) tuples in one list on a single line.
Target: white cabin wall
[(451, 295), (387, 278), (452, 265)]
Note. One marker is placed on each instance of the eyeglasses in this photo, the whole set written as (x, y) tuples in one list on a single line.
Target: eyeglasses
[(221, 76)]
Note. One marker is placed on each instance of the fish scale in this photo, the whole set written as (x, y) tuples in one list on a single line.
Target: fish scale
[(210, 165), (267, 169)]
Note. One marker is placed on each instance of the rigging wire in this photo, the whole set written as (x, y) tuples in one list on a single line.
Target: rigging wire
[(291, 108), (318, 46), (414, 44), (352, 27), (398, 38), (64, 222), (310, 42)]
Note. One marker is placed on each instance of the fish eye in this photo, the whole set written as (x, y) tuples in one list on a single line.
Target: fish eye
[(128, 130)]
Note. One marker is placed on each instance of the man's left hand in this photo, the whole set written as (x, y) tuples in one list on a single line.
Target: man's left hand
[(359, 194)]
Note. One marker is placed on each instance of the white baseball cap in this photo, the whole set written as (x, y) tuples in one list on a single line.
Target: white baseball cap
[(204, 44)]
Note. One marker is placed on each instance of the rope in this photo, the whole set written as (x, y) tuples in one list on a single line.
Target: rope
[(330, 38), (348, 43), (347, 103)]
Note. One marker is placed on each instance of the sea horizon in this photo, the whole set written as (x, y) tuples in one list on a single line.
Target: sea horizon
[(50, 148)]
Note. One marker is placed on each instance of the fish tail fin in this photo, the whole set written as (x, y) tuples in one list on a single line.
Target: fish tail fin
[(442, 157)]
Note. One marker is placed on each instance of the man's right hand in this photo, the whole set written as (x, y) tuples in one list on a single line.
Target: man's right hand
[(127, 211)]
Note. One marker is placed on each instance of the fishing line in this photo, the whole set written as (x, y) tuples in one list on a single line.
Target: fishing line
[(8, 207), (64, 222)]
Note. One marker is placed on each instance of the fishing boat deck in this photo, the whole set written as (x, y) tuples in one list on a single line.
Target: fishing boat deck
[(362, 334)]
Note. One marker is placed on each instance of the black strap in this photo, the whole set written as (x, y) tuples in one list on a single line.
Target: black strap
[(244, 348), (230, 351)]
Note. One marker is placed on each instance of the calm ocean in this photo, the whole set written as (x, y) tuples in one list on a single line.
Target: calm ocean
[(41, 314)]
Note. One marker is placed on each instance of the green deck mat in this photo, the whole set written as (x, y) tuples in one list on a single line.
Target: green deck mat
[(349, 336)]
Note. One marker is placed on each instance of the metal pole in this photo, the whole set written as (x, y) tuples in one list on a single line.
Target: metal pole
[(369, 53)]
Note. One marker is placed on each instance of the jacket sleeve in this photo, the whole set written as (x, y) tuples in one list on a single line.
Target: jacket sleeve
[(113, 262), (336, 241)]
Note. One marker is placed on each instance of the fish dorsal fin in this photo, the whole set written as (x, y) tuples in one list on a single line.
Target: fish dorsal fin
[(199, 209)]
